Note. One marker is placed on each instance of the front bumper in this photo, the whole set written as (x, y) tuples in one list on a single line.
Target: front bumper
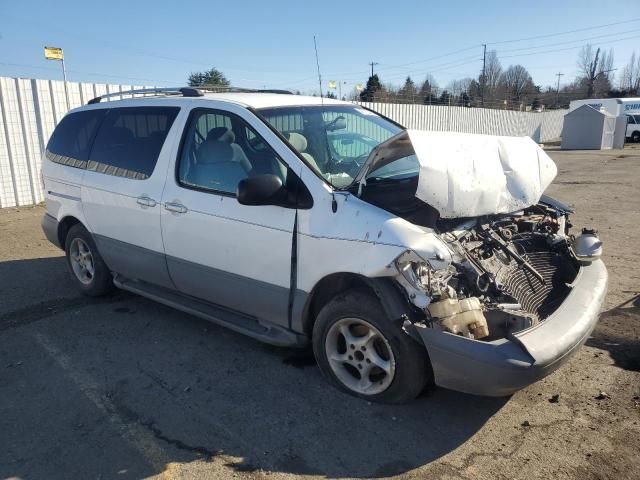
[(504, 366)]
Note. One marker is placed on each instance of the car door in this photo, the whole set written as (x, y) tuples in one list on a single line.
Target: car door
[(122, 188), (236, 256)]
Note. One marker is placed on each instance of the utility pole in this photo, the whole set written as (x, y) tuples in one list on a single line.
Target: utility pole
[(559, 74), (372, 64), (484, 64)]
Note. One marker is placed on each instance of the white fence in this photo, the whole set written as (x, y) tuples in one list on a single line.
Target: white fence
[(542, 127), (31, 108)]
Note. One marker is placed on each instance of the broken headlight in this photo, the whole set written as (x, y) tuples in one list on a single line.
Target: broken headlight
[(417, 274)]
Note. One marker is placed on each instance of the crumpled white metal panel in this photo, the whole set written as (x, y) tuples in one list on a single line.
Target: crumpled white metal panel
[(468, 175)]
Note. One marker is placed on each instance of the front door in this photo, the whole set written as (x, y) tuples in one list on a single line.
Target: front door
[(218, 250)]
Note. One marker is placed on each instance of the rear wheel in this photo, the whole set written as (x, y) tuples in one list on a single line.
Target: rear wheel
[(635, 136), (89, 271), (367, 355)]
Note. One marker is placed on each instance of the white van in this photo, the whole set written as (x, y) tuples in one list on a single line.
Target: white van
[(403, 257)]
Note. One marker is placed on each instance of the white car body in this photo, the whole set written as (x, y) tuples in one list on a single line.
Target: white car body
[(267, 261)]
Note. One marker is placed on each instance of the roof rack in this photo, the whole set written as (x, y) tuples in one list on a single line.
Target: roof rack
[(184, 91)]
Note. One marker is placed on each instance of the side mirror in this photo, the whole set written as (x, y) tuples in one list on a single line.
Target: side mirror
[(262, 190)]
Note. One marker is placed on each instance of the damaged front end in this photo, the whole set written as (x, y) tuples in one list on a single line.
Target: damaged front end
[(508, 273), (520, 292), (519, 295)]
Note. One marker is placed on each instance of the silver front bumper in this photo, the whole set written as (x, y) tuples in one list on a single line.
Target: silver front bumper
[(504, 366)]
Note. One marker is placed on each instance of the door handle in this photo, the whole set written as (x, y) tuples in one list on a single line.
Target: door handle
[(175, 207), (145, 201)]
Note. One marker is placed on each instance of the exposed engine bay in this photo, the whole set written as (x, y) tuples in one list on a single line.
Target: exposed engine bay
[(504, 260), (509, 272)]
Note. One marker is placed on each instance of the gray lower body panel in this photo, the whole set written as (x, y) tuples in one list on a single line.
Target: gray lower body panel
[(252, 297), (502, 367), (50, 229), (133, 261), (251, 326)]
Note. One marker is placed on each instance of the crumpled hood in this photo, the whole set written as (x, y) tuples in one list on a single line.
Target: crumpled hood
[(469, 175)]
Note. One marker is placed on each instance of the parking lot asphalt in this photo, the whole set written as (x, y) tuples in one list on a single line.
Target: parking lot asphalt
[(122, 387)]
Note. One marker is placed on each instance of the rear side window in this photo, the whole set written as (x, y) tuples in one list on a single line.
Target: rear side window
[(71, 141), (129, 141)]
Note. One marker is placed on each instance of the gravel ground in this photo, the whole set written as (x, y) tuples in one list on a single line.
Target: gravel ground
[(122, 387)]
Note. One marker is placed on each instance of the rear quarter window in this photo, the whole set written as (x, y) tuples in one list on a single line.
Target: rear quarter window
[(71, 141), (129, 141)]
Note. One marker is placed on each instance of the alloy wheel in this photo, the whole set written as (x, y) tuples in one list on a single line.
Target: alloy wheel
[(360, 356), (81, 260)]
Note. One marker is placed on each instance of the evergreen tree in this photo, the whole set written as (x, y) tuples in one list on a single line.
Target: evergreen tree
[(373, 86), (208, 78)]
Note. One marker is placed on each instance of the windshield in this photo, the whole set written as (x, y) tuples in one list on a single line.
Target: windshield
[(337, 139)]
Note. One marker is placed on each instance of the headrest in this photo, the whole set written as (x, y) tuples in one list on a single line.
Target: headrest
[(222, 134), (120, 135), (297, 141), (214, 151)]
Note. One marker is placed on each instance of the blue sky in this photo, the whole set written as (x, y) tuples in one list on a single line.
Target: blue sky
[(260, 43)]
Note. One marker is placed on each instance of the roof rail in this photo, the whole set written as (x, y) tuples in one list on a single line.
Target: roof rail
[(216, 89), (185, 92)]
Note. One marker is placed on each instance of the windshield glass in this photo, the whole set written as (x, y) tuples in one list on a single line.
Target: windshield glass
[(337, 139)]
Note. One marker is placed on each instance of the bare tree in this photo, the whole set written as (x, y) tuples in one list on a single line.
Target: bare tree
[(516, 83), (456, 87), (630, 77), (492, 73), (595, 70)]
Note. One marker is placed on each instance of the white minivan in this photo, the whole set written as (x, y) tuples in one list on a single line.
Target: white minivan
[(403, 257)]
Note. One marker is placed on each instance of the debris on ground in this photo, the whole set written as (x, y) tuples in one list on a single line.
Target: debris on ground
[(602, 396), (525, 424), (555, 398)]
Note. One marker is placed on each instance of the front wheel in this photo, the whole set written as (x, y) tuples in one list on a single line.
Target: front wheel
[(636, 136), (366, 354)]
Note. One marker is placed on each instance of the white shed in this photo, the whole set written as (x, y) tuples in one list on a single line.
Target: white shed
[(586, 128)]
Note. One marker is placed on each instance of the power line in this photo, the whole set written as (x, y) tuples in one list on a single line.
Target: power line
[(383, 68), (565, 49), (570, 41), (136, 51), (565, 32)]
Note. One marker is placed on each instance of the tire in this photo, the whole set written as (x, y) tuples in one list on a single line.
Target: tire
[(397, 367), (87, 268), (635, 136)]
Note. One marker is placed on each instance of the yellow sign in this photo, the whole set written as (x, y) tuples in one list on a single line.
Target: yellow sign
[(53, 53), (332, 84)]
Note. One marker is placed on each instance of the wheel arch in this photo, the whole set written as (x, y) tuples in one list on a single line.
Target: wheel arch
[(64, 225), (392, 299)]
